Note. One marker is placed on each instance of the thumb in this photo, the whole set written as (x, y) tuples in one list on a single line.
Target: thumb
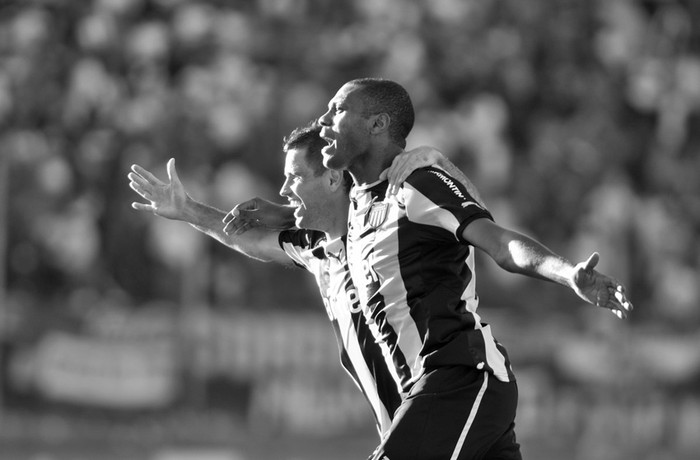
[(592, 261), (247, 213), (250, 205), (246, 210), (172, 172), (384, 174)]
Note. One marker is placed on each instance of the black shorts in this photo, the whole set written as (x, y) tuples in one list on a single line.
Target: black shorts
[(454, 413)]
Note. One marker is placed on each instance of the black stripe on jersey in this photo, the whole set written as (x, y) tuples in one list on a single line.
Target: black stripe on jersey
[(388, 334), (374, 358)]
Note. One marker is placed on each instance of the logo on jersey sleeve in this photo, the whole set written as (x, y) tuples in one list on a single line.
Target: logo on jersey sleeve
[(454, 189)]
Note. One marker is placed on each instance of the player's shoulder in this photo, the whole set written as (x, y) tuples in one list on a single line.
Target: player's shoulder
[(439, 186)]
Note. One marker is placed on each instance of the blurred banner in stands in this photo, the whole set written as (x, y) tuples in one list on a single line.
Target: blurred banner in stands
[(122, 374)]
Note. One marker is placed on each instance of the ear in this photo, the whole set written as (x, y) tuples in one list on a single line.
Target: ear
[(335, 179), (380, 123)]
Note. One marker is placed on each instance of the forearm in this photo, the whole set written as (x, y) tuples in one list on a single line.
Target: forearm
[(207, 220), (528, 257), (257, 243)]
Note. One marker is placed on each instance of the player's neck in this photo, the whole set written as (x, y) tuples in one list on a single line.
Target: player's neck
[(336, 224), (366, 170)]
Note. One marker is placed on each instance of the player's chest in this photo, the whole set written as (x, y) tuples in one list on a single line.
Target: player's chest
[(373, 230), (335, 285)]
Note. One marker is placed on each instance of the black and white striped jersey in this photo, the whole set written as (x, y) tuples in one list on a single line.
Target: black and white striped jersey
[(415, 275), (360, 354)]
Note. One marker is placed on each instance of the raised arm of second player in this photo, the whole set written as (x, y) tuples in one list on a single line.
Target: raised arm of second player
[(405, 163), (170, 200)]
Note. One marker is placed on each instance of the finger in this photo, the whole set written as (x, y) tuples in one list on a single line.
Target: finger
[(136, 188), (592, 261), (396, 178), (146, 175), (142, 206), (137, 179), (234, 213), (390, 172), (623, 301), (383, 175), (401, 172), (234, 225), (230, 226), (394, 188), (229, 216), (248, 216), (242, 229), (250, 205)]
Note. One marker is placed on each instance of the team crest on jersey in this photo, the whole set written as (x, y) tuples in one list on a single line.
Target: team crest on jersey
[(377, 214)]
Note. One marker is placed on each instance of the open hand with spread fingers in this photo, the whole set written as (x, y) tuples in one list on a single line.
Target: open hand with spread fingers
[(598, 289), (165, 199)]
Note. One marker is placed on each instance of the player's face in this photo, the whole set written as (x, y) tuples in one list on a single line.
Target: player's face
[(346, 129), (307, 192)]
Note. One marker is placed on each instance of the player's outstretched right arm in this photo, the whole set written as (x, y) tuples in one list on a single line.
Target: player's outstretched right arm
[(170, 200)]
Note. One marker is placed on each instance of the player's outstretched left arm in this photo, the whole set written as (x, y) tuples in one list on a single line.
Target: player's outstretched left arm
[(521, 254)]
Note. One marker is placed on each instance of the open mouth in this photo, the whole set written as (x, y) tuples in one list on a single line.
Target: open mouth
[(331, 142), (331, 146), (297, 205)]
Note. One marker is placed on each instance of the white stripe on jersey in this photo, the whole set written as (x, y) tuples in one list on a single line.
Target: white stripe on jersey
[(424, 211), (494, 357), (472, 416), (469, 295)]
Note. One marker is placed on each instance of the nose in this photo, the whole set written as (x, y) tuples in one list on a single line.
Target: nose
[(284, 191), (323, 119)]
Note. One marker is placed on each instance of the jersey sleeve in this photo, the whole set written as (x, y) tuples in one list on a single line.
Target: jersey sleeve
[(433, 197), (299, 244)]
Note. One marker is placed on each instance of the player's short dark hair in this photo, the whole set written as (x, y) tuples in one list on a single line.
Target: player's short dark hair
[(385, 96), (309, 137)]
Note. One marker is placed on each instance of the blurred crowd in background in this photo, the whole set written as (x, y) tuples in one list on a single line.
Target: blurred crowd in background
[(578, 120)]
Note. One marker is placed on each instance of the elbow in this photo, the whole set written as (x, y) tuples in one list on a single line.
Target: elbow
[(515, 258)]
